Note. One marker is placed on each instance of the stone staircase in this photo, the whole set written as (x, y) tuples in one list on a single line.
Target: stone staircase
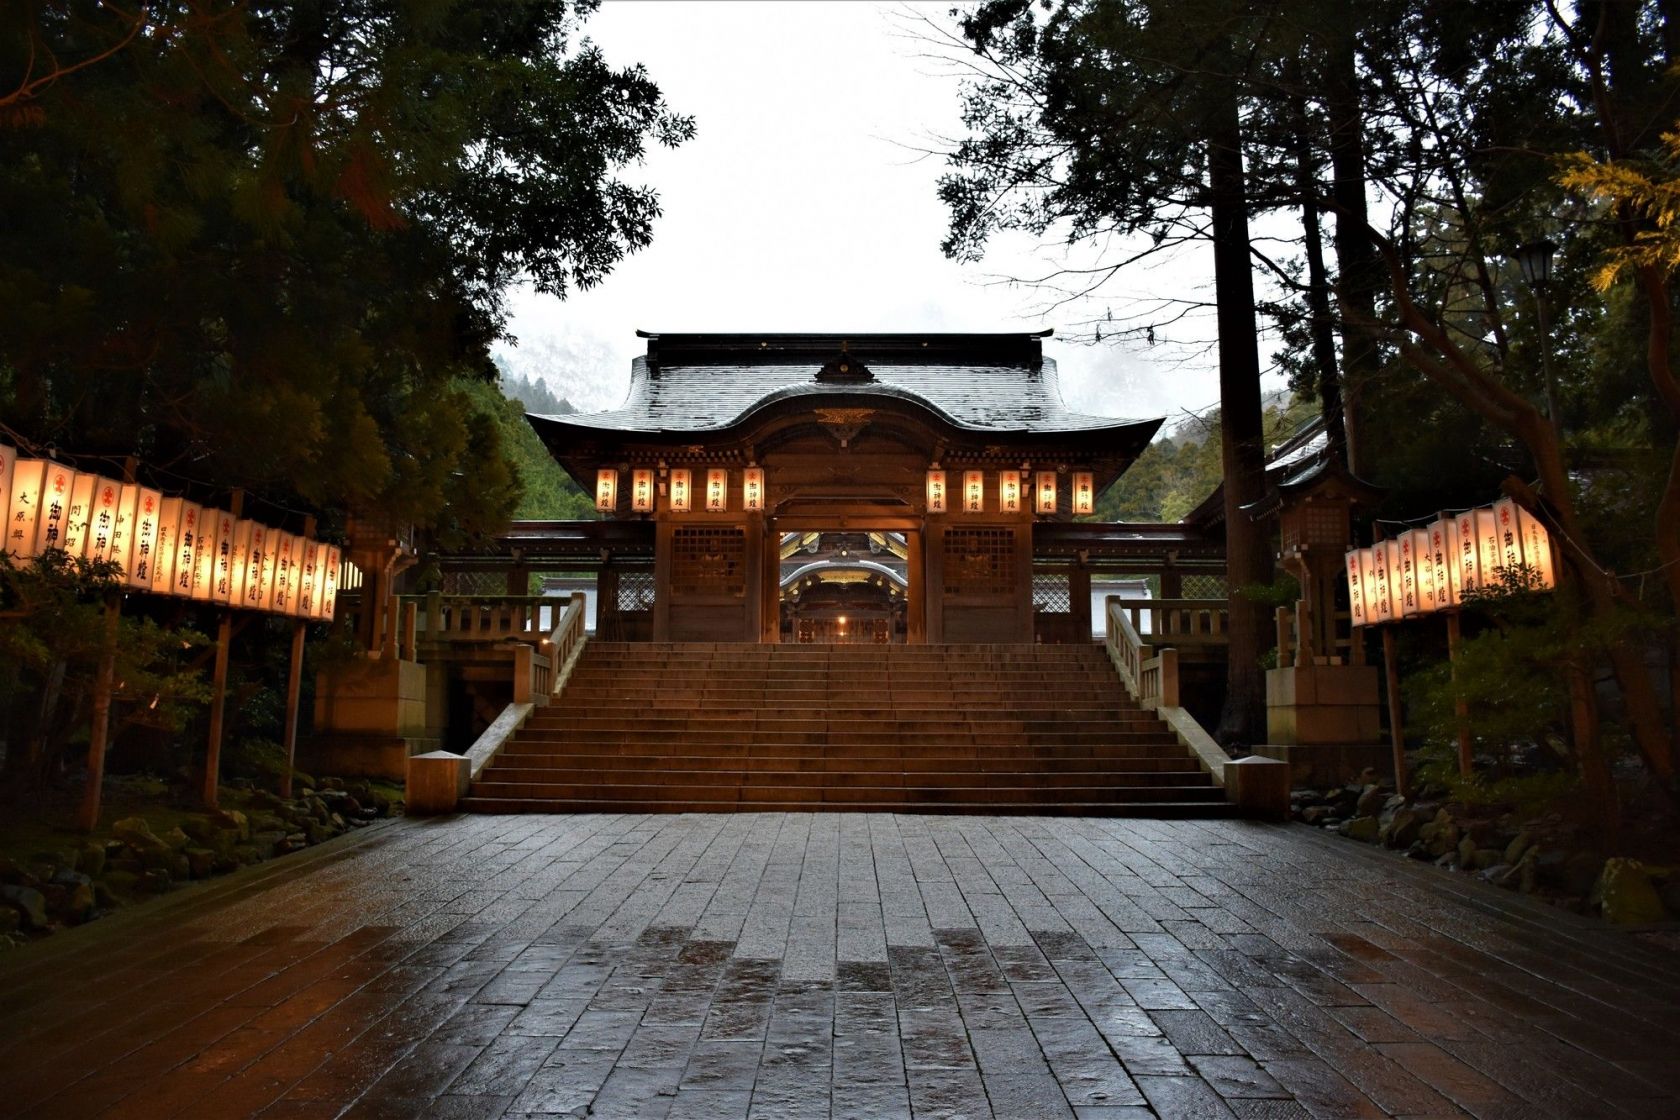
[(703, 727)]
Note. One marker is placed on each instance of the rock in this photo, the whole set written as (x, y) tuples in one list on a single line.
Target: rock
[(234, 820), (352, 808), (1315, 814), (1526, 878), (73, 897), (246, 854), (1466, 852), (1495, 873), (1402, 829), (1394, 803), (1485, 858), (1370, 801), (104, 897), (318, 832), (267, 842), (293, 842), (10, 920), (118, 882), (154, 880), (1361, 828), (137, 834), (1625, 894), (1518, 847), (177, 839), (200, 861), (29, 903), (1418, 851), (93, 858)]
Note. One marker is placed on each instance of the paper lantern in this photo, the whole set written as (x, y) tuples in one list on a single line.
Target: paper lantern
[(1009, 491), (220, 584), (1374, 595), (143, 556), (682, 497), (127, 524), (285, 549), (641, 491), (1084, 493), (168, 544), (1385, 600), (81, 515), (1507, 533), (752, 489), (1396, 581), (1439, 558), (1355, 591), (55, 508), (1410, 603), (107, 528), (1467, 558), (257, 544), (974, 491), (186, 549), (329, 584), (1424, 572), (1046, 488), (935, 491), (717, 490), (606, 490), (24, 509), (305, 599), (239, 562), (1537, 548)]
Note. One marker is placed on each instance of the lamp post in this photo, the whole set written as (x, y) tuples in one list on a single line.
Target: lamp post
[(1535, 261)]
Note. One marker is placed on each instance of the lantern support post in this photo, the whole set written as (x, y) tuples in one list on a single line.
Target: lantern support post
[(1461, 707), (294, 685), (218, 690), (1396, 732), (87, 816)]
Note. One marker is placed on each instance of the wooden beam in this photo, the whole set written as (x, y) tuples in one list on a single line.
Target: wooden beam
[(104, 680), (1396, 732), (294, 686), (218, 691)]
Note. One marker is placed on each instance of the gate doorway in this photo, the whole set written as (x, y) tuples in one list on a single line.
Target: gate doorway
[(844, 587)]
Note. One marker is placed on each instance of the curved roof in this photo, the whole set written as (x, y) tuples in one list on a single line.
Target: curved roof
[(693, 384)]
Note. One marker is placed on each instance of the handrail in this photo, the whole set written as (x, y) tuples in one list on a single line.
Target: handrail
[(1125, 647), (1186, 621), (1152, 678), (487, 617), (568, 639)]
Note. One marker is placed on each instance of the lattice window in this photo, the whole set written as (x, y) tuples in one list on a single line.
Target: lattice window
[(709, 561), (1050, 593), (1199, 585), (475, 583), (635, 592), (979, 561)]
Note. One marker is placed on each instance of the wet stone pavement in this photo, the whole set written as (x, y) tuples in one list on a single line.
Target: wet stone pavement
[(800, 965)]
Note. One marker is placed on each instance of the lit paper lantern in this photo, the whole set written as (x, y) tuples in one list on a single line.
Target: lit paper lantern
[(55, 508), (1507, 533), (1374, 595), (168, 544), (81, 515), (1439, 558), (752, 489), (143, 557), (1466, 557), (974, 491), (936, 491), (1084, 493), (1009, 491), (717, 490), (23, 511), (219, 575), (239, 562), (1487, 546), (1046, 488), (1424, 571), (641, 491), (107, 529), (285, 546), (186, 549), (1381, 577), (1407, 568), (1355, 589), (250, 583), (682, 497), (329, 584), (306, 589), (121, 552), (606, 490), (1537, 548), (1396, 581)]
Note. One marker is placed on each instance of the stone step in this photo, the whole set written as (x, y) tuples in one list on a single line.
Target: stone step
[(522, 762), (683, 775), (817, 793), (1164, 810)]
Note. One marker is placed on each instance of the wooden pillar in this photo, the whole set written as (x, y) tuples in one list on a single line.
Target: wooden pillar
[(294, 685), (662, 581), (915, 589), (770, 609), (1461, 710), (1079, 599), (1396, 733), (933, 583), (606, 601), (758, 573), (211, 791), (104, 681), (1172, 582)]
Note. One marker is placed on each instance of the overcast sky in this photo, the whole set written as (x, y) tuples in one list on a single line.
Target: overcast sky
[(803, 204)]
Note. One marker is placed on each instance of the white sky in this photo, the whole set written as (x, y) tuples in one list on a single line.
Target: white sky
[(803, 204)]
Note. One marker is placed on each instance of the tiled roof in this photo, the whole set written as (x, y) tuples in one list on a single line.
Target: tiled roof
[(711, 389)]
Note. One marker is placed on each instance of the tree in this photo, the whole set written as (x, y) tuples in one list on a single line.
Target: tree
[(255, 245), (1125, 116)]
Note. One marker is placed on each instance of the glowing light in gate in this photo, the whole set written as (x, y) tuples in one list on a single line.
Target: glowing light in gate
[(606, 490), (682, 496), (1046, 488), (752, 489), (974, 491), (935, 491), (1084, 493), (717, 490), (1009, 491), (641, 491)]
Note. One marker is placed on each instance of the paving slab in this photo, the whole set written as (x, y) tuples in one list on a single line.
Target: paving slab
[(838, 965)]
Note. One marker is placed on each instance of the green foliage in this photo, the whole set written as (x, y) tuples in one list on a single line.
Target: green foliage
[(52, 633), (546, 492), (263, 247)]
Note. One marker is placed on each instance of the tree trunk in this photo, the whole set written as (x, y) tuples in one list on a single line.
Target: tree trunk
[(1360, 271), (1321, 324), (1242, 438)]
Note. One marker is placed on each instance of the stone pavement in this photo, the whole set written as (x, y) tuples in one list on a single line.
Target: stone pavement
[(821, 965)]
